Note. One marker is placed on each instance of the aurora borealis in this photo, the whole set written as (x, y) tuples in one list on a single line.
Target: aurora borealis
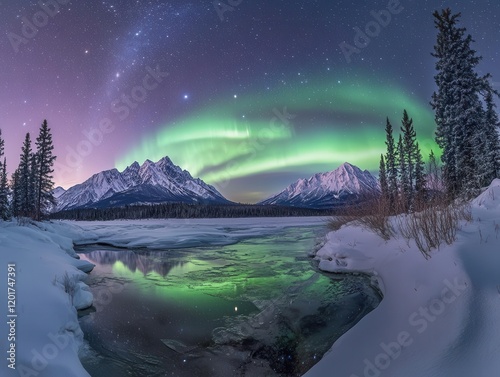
[(249, 100), (234, 139)]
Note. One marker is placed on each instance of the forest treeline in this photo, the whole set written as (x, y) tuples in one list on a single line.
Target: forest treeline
[(185, 211)]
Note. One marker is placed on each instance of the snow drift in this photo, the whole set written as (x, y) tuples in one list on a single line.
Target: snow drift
[(45, 337)]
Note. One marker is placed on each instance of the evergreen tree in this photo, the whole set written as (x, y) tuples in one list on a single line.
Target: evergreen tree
[(434, 174), (383, 179), (32, 194), (2, 145), (4, 191), (409, 153), (16, 194), (391, 166), (3, 182), (404, 184), (420, 183), (459, 113), (44, 178), (491, 151), (23, 179)]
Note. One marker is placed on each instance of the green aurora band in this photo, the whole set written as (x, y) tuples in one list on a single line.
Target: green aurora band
[(311, 128)]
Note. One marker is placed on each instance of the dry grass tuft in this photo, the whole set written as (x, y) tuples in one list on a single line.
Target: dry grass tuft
[(372, 213), (432, 222)]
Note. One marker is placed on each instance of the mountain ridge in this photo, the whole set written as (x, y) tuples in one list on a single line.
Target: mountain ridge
[(345, 184), (151, 182)]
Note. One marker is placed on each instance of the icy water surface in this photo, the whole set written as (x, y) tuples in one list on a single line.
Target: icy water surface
[(256, 308)]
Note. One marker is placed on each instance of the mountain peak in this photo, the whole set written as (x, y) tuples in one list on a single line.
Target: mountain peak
[(347, 165), (325, 190), (150, 182), (167, 160), (58, 191)]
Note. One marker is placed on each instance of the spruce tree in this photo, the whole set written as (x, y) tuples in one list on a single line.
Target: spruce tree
[(384, 188), (491, 155), (458, 108), (3, 182), (16, 194), (34, 168), (2, 145), (404, 185), (391, 166), (420, 183), (4, 191), (409, 153), (23, 179), (44, 181), (433, 174)]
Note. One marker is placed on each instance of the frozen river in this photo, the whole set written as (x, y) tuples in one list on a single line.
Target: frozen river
[(254, 308)]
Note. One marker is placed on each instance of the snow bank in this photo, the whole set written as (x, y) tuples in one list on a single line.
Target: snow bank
[(44, 338), (438, 317)]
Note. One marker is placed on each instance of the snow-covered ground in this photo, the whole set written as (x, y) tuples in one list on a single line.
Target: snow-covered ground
[(438, 317), (40, 334)]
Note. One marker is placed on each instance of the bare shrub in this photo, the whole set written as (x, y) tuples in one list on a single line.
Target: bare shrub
[(433, 225), (433, 220), (371, 212)]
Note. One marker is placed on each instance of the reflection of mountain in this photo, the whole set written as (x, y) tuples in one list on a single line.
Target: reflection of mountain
[(146, 262)]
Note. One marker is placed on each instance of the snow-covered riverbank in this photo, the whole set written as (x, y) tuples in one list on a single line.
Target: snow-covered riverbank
[(438, 317), (43, 336)]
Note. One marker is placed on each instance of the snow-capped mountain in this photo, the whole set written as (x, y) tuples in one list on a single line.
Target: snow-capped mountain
[(325, 190), (58, 191), (148, 183)]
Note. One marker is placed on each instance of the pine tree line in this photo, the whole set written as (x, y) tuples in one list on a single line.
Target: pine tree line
[(31, 184), (4, 188), (467, 122), (402, 170), (467, 129), (186, 211)]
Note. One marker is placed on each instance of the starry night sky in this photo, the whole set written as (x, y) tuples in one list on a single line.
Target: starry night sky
[(249, 100)]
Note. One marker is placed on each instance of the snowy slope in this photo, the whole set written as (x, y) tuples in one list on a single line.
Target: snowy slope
[(325, 190), (47, 336), (438, 317), (150, 183)]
